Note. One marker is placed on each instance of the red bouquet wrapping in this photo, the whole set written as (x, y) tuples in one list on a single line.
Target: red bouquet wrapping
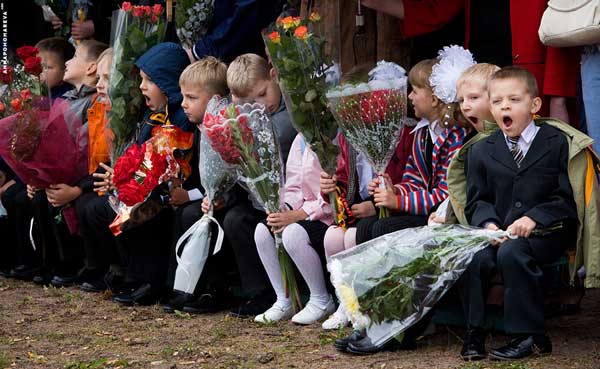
[(45, 146)]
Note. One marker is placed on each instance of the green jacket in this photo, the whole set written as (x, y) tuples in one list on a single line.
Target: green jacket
[(584, 165)]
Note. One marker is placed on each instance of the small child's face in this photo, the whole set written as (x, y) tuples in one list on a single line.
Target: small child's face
[(194, 102), (53, 70), (102, 73), (266, 92), (512, 105), (474, 103), (422, 100), (155, 99), (77, 67)]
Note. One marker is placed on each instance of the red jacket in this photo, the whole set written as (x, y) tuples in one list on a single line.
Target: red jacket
[(556, 69)]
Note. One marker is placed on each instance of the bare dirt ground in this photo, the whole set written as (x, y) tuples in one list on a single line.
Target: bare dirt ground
[(67, 328)]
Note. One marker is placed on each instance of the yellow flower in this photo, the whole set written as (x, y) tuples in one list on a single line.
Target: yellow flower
[(314, 17), (274, 37), (287, 22), (349, 298)]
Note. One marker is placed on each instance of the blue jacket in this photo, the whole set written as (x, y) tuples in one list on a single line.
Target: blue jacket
[(163, 63), (236, 28)]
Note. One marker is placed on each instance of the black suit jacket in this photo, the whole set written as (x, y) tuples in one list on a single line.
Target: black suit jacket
[(499, 192)]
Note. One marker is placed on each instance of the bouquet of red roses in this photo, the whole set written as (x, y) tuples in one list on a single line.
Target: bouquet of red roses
[(371, 114), (21, 87), (243, 136), (45, 146)]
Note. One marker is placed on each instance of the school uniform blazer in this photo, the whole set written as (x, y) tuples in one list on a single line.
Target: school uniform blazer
[(420, 190), (499, 192)]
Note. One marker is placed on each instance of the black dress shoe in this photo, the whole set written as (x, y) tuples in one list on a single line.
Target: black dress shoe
[(474, 345), (24, 272), (42, 279), (64, 280), (94, 286), (208, 303), (178, 301), (253, 306), (143, 295), (365, 346), (5, 273), (522, 347), (342, 343)]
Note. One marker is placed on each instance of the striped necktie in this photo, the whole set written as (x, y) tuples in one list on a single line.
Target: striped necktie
[(515, 150)]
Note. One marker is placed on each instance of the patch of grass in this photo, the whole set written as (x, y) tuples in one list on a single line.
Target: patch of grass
[(4, 361), (182, 315), (70, 296), (326, 338), (25, 301), (167, 352), (101, 363)]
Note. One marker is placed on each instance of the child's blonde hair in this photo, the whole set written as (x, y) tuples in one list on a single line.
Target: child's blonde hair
[(208, 73), (244, 72), (481, 73), (108, 53)]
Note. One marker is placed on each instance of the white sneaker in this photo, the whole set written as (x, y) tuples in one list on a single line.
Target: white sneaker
[(313, 312), (336, 320), (275, 314)]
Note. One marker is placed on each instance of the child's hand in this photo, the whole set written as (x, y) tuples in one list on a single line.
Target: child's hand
[(278, 221), (179, 196), (363, 210), (31, 190), (104, 181), (434, 219), (56, 22), (327, 183), (375, 183), (385, 198), (62, 194), (82, 30), (522, 227), (494, 227), (218, 204)]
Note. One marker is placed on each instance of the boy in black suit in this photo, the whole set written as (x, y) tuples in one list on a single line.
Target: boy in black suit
[(517, 180)]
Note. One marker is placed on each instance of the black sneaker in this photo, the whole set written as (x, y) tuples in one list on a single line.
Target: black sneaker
[(252, 307)]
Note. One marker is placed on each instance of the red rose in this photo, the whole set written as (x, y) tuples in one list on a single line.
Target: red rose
[(33, 65), (16, 104), (159, 166), (6, 74), (26, 52), (128, 164), (138, 11), (25, 94), (2, 107), (131, 193), (126, 6), (157, 9), (374, 106)]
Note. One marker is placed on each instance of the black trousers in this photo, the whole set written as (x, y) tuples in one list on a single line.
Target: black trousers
[(219, 268), (146, 249), (373, 227), (15, 246), (519, 262), (239, 224), (95, 215)]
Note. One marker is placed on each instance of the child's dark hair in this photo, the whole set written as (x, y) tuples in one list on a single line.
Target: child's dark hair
[(520, 74), (57, 46), (93, 48)]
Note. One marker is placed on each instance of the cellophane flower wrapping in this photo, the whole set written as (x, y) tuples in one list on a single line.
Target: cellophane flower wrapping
[(45, 146), (371, 114), (135, 30), (390, 283), (304, 74), (217, 176), (193, 17), (141, 170), (243, 136)]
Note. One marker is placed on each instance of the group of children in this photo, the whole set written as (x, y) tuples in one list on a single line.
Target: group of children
[(517, 180)]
